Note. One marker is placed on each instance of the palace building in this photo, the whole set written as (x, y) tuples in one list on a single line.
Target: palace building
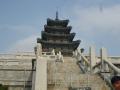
[(57, 36), (58, 63)]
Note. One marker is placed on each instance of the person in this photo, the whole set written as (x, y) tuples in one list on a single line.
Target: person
[(115, 80)]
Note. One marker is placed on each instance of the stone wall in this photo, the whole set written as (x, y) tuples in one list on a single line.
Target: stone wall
[(16, 71)]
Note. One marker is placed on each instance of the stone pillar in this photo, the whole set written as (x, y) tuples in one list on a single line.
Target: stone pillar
[(39, 50), (92, 56), (41, 74), (103, 55), (53, 52)]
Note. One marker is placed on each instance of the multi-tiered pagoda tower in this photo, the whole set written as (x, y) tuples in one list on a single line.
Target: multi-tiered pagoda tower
[(57, 36)]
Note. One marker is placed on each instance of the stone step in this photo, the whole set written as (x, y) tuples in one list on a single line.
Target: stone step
[(68, 73), (81, 80), (70, 66)]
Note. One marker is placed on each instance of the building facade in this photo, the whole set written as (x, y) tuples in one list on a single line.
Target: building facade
[(57, 36), (57, 64)]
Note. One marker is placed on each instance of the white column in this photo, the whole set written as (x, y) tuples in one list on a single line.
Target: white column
[(53, 52), (39, 50), (103, 54), (41, 74), (92, 56)]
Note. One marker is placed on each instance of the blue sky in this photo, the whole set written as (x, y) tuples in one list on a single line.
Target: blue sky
[(96, 22)]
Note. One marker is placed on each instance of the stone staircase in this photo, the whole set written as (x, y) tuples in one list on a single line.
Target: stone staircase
[(68, 76)]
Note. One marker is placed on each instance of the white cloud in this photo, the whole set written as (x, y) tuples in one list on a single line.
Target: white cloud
[(25, 45), (95, 27), (17, 28), (100, 28), (92, 18)]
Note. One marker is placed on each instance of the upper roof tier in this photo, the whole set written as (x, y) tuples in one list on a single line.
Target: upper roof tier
[(57, 22), (73, 44), (58, 36), (58, 29)]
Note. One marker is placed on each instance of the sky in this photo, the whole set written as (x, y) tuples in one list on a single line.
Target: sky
[(96, 23)]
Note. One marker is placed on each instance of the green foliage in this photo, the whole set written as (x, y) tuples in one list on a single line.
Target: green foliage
[(3, 87)]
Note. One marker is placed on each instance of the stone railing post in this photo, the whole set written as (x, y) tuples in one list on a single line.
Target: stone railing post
[(60, 56), (92, 57), (39, 79), (103, 55), (53, 52), (39, 50)]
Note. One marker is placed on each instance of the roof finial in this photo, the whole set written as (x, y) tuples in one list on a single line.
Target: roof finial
[(56, 15)]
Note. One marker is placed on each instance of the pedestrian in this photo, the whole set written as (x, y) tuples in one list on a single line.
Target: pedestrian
[(115, 80)]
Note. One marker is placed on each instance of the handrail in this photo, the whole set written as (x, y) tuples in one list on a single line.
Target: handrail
[(85, 59), (113, 70), (83, 62), (79, 54), (104, 68), (113, 67), (98, 64), (107, 80), (110, 65)]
